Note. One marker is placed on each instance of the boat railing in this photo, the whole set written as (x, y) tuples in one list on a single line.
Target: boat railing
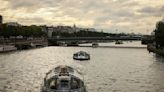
[(73, 90)]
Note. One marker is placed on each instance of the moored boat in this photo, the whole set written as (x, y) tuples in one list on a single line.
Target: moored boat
[(63, 79), (118, 42), (81, 55), (94, 45)]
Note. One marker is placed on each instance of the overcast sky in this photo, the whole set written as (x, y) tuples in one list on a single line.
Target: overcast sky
[(138, 16)]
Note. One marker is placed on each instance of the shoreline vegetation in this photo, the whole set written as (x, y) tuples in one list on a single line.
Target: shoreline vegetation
[(152, 48), (7, 45), (12, 34), (157, 44)]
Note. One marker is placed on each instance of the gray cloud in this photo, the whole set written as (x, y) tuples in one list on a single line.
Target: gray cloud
[(152, 11), (21, 3), (124, 15)]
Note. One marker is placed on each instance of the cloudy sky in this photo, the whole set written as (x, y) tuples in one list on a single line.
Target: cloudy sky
[(138, 16)]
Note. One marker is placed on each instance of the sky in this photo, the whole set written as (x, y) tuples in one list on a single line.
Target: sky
[(129, 16)]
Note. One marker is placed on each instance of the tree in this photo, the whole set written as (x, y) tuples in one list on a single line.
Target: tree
[(159, 34)]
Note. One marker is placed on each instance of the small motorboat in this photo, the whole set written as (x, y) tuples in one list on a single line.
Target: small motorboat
[(81, 55), (63, 79), (118, 42), (94, 45)]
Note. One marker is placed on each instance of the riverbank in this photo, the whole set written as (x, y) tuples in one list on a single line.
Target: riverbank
[(22, 44), (126, 47), (7, 48), (152, 48)]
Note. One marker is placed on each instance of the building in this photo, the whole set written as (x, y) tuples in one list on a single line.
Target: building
[(13, 24), (63, 29), (44, 28), (91, 29), (50, 30), (85, 29)]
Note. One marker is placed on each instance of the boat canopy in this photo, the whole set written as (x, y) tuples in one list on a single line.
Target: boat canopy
[(63, 79), (63, 71), (81, 53)]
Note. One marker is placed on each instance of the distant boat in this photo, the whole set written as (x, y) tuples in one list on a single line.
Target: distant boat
[(94, 45), (118, 42), (63, 79), (62, 44), (81, 55)]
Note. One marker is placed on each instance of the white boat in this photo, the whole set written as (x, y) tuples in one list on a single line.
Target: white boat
[(63, 79), (81, 55), (118, 42), (62, 44), (94, 45)]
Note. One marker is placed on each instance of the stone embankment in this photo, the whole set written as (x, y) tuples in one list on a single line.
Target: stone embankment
[(7, 48)]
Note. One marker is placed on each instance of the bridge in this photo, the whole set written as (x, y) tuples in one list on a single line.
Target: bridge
[(77, 40)]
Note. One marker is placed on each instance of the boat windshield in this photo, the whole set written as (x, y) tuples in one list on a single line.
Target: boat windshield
[(82, 54), (64, 84)]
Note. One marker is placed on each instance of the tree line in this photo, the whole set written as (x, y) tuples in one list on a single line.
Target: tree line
[(86, 33), (25, 31), (36, 31), (159, 34)]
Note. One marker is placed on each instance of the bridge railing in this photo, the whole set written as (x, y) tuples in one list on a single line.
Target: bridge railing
[(94, 38)]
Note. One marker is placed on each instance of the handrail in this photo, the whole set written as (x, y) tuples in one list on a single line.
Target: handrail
[(73, 90)]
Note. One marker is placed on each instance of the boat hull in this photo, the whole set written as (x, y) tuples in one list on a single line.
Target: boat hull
[(81, 56), (63, 79), (76, 58)]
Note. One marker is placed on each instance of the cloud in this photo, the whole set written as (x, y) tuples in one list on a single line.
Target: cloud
[(124, 15), (153, 11)]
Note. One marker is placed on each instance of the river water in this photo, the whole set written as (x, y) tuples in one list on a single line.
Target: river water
[(109, 70)]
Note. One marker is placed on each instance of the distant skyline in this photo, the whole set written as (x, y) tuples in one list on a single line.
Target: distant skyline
[(138, 16)]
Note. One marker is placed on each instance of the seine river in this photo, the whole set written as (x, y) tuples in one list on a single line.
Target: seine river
[(121, 68)]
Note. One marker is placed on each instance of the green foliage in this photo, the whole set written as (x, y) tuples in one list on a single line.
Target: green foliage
[(26, 31), (159, 34), (81, 33), (84, 33)]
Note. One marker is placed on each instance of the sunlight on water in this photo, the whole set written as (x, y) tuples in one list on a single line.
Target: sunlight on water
[(109, 70)]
